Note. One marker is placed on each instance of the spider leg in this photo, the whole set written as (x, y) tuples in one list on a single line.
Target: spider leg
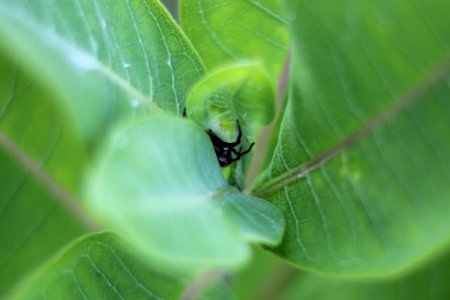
[(239, 152), (234, 151), (246, 151), (238, 140)]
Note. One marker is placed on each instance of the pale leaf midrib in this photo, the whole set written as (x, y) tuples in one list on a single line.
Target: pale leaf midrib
[(114, 77), (59, 193)]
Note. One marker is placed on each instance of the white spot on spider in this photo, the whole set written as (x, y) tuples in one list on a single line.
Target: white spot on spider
[(126, 65)]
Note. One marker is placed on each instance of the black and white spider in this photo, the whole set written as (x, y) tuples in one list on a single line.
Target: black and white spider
[(226, 152)]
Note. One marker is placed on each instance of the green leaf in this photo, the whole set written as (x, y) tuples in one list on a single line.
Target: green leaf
[(68, 70), (240, 92), (256, 220), (235, 30), (360, 169), (157, 182), (98, 266), (107, 58), (40, 169), (430, 282)]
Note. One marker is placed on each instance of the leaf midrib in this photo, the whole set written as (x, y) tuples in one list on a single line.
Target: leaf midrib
[(41, 30), (432, 79), (59, 193)]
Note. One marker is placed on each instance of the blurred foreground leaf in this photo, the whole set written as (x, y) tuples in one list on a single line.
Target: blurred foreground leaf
[(157, 182), (41, 162)]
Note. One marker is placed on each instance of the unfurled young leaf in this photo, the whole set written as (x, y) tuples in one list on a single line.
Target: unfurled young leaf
[(238, 93)]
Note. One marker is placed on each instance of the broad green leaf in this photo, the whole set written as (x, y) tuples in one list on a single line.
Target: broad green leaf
[(234, 30), (360, 170), (99, 266), (65, 66), (429, 283), (40, 168), (241, 92), (157, 182), (102, 59)]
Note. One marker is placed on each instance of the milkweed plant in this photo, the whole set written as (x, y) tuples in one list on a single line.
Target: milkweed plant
[(258, 149)]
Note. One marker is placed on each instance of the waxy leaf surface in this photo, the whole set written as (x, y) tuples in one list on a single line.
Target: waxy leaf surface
[(360, 169)]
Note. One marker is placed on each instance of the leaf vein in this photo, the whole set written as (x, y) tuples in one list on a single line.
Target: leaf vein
[(399, 105)]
